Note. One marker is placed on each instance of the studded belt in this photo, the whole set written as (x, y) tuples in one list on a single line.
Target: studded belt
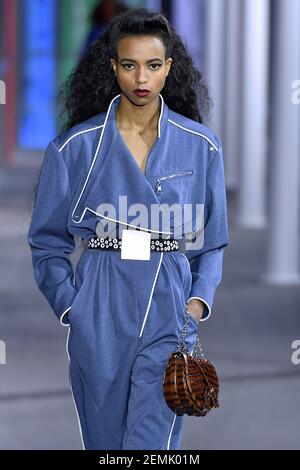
[(167, 245)]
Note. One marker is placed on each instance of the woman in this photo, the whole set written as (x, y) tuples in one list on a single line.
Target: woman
[(126, 172)]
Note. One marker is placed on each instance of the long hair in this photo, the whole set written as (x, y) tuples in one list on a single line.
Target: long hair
[(92, 84)]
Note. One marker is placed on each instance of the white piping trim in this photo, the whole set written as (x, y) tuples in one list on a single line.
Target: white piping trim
[(194, 132), (186, 258), (98, 147), (209, 309), (78, 133), (161, 112), (119, 221), (169, 438), (61, 317), (150, 298), (77, 414), (95, 156), (199, 298)]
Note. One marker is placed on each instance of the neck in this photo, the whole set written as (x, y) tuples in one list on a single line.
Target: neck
[(137, 118)]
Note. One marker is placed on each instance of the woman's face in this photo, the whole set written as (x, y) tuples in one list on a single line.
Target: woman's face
[(141, 64)]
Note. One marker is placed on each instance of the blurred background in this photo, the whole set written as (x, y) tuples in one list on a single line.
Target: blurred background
[(249, 53)]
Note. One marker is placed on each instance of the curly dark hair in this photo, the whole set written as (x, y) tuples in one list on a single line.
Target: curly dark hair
[(92, 84)]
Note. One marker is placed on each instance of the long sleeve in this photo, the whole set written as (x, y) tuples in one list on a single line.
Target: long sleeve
[(48, 235), (206, 262)]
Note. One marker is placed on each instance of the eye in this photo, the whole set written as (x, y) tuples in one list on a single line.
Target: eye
[(127, 65), (157, 65)]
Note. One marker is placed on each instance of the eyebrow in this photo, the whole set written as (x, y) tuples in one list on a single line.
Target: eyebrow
[(150, 60)]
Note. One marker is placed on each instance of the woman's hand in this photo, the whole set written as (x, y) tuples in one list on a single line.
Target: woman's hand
[(196, 308)]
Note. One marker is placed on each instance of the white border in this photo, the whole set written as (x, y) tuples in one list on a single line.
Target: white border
[(62, 315), (95, 156), (78, 133), (194, 132), (199, 298), (119, 221), (98, 147), (150, 298), (169, 439), (77, 414), (209, 309)]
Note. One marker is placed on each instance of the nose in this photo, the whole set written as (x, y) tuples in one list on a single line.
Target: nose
[(141, 75)]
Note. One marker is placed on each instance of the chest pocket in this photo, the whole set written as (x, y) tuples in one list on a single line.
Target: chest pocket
[(173, 188), (169, 182)]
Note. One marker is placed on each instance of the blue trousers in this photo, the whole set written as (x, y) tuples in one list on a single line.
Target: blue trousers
[(125, 322)]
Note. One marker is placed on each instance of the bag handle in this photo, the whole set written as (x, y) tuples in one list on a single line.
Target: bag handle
[(197, 350), (197, 353)]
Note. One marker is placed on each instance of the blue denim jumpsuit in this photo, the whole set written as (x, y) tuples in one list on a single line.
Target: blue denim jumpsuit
[(125, 316)]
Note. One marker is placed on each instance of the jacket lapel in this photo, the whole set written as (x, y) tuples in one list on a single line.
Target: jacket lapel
[(114, 173)]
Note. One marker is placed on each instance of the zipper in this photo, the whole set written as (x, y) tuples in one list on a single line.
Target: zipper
[(158, 187)]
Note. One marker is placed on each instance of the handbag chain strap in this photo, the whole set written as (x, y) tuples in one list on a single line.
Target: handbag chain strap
[(197, 350), (198, 353)]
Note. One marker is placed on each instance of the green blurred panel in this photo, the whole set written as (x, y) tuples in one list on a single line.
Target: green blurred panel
[(72, 29), (135, 3), (90, 4), (73, 18)]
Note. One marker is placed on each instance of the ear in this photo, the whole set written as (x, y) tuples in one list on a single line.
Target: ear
[(114, 65), (168, 65)]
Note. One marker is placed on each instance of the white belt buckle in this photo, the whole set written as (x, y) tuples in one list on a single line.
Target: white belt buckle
[(135, 245)]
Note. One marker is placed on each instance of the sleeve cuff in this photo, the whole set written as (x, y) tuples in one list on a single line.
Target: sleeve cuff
[(207, 310), (62, 320)]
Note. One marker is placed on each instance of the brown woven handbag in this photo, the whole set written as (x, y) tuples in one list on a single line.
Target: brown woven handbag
[(190, 384)]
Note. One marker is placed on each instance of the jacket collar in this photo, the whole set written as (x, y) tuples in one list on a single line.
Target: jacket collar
[(108, 162), (162, 120)]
